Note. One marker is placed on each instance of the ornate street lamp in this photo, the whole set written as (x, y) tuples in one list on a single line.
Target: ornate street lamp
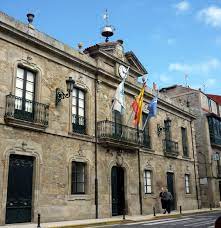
[(61, 95)]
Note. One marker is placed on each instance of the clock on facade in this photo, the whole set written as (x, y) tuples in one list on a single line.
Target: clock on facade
[(122, 71)]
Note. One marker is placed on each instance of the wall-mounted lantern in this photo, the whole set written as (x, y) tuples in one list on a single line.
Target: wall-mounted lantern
[(166, 128), (61, 95)]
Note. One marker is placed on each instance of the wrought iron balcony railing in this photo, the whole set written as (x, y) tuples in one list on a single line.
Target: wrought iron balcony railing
[(78, 124), (21, 109), (122, 135), (170, 148), (215, 139)]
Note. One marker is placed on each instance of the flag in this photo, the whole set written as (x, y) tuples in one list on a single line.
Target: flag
[(154, 86), (142, 79), (152, 107), (118, 103), (137, 106)]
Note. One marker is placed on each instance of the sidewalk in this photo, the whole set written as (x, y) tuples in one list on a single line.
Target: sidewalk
[(106, 221)]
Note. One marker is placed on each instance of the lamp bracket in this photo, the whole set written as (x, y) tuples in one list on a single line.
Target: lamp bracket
[(61, 95)]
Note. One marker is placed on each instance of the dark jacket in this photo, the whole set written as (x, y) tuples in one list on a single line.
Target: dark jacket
[(163, 202), (167, 196)]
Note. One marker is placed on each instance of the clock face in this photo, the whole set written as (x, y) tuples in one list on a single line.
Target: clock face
[(122, 71)]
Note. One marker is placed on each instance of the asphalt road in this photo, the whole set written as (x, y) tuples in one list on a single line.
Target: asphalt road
[(204, 220)]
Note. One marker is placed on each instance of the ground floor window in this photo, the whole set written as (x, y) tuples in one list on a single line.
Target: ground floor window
[(147, 182), (187, 183), (78, 181)]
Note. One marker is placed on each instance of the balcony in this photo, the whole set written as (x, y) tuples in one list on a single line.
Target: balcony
[(215, 139), (121, 136), (26, 113), (79, 124), (170, 148)]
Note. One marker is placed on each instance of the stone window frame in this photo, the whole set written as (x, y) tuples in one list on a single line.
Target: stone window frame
[(86, 195), (85, 111), (84, 182), (186, 143), (80, 85), (148, 167), (151, 181), (38, 77)]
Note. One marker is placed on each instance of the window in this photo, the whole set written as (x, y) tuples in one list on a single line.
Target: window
[(210, 104), (117, 118), (24, 94), (78, 178), (187, 183), (78, 111), (146, 137), (167, 127), (147, 182), (215, 129), (184, 142)]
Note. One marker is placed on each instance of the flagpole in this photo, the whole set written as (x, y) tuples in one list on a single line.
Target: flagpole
[(145, 123)]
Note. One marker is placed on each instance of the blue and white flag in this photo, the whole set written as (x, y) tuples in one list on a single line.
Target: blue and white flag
[(152, 108), (119, 102)]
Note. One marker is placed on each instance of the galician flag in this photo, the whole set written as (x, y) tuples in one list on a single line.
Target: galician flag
[(119, 102)]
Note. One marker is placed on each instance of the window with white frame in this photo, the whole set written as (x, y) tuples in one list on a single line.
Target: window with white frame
[(187, 183), (78, 111), (24, 93), (147, 182)]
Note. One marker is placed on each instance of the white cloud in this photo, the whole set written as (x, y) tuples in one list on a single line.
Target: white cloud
[(197, 68), (211, 16), (182, 6)]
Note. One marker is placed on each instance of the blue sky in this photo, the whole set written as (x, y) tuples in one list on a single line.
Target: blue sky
[(172, 38)]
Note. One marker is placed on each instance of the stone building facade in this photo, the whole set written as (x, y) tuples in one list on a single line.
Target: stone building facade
[(76, 159), (207, 109)]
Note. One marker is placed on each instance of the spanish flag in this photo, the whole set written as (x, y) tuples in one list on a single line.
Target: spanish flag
[(137, 106)]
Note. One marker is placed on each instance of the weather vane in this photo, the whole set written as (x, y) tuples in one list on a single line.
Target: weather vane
[(106, 17)]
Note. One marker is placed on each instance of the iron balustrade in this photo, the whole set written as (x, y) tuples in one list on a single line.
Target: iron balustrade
[(78, 124), (26, 110), (170, 147), (122, 133)]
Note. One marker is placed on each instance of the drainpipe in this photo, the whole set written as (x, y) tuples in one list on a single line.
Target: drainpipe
[(197, 193), (140, 189), (95, 132)]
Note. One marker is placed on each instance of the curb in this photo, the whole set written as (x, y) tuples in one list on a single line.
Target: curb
[(119, 222)]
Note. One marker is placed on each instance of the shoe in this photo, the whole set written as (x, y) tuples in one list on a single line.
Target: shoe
[(165, 212)]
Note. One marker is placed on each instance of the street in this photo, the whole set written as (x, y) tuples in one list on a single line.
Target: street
[(205, 220)]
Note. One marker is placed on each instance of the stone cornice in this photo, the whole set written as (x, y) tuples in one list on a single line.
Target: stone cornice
[(115, 59), (46, 43), (133, 90)]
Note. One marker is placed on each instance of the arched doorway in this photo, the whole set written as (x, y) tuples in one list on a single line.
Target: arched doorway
[(117, 187)]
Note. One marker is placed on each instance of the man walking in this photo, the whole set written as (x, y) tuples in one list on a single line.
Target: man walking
[(162, 200), (167, 197)]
